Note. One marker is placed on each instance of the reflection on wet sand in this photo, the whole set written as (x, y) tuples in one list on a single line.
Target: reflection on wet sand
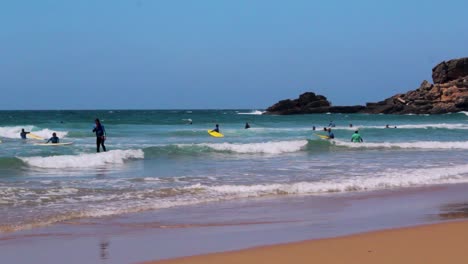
[(454, 211), (104, 250)]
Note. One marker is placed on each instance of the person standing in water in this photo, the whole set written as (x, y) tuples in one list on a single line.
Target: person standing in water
[(23, 133), (247, 125), (356, 137), (100, 135), (54, 139), (330, 134)]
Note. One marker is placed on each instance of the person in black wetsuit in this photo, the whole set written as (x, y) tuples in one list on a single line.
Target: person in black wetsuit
[(247, 126), (100, 135), (216, 128), (54, 139), (330, 134), (23, 133)]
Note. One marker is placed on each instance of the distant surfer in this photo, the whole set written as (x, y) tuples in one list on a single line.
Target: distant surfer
[(247, 125), (216, 129), (313, 128), (350, 125), (330, 134), (189, 121), (331, 124), (54, 139), (356, 137), (23, 133), (100, 135), (387, 126)]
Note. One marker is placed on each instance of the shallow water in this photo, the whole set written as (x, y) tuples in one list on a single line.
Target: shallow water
[(156, 160)]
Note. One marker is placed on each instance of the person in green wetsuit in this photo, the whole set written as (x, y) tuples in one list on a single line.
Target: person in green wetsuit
[(356, 137)]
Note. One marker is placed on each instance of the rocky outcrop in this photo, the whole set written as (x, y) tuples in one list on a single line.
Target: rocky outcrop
[(310, 103), (451, 70), (307, 103), (429, 98), (449, 93)]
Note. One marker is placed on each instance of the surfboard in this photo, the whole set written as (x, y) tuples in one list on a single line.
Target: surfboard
[(322, 136), (54, 144), (31, 135), (215, 134)]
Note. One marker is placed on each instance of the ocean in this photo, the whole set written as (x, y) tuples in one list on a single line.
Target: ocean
[(157, 160)]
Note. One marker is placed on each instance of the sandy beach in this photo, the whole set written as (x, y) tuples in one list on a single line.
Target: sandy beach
[(438, 243)]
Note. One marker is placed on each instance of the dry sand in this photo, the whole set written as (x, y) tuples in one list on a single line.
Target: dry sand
[(439, 243)]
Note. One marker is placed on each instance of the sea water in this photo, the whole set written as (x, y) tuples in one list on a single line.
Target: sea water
[(156, 159)]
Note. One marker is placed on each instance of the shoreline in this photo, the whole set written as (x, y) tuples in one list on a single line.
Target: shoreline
[(231, 226), (431, 243)]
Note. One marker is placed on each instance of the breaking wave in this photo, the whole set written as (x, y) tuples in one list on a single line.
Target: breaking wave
[(14, 132), (83, 160), (407, 145)]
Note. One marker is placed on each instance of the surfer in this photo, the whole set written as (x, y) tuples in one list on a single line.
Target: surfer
[(331, 124), (330, 134), (23, 133), (54, 139), (356, 137), (100, 135), (313, 128), (216, 129), (247, 125)]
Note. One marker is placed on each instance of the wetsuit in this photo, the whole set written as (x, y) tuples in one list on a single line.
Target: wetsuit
[(356, 138), (53, 140), (23, 134), (100, 137), (331, 135)]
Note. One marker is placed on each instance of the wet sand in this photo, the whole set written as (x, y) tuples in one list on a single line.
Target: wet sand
[(234, 225), (438, 243)]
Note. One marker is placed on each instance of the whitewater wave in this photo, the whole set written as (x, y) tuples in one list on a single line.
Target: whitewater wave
[(98, 203), (409, 126), (406, 145), (83, 160), (254, 112), (264, 147), (14, 132), (387, 180)]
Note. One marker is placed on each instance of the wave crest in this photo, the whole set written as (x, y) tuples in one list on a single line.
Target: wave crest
[(83, 160), (407, 145), (14, 132)]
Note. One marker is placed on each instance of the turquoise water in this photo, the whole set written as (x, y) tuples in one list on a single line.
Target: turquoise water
[(157, 160)]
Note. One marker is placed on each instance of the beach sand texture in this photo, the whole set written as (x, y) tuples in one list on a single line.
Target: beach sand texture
[(439, 243)]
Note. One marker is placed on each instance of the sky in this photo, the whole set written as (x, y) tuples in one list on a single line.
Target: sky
[(214, 54)]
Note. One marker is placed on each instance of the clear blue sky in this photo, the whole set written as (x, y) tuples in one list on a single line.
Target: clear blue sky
[(88, 54)]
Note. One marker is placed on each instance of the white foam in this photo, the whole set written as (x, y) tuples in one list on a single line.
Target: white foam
[(407, 145), (410, 126), (265, 147), (84, 160), (14, 132), (254, 112), (386, 180)]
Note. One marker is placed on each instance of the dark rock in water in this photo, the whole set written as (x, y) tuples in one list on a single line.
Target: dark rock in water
[(346, 109), (448, 94), (307, 103), (447, 71)]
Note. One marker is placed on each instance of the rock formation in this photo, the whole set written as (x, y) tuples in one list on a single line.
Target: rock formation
[(449, 93)]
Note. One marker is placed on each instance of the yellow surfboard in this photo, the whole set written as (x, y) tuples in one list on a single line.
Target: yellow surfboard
[(322, 136), (31, 135), (215, 134)]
